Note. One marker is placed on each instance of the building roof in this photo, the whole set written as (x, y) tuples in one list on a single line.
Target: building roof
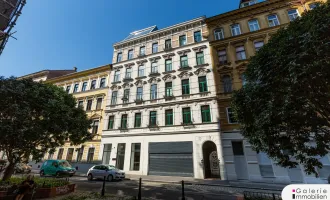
[(49, 73), (141, 32)]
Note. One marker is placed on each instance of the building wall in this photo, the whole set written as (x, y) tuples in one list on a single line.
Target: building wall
[(235, 68)]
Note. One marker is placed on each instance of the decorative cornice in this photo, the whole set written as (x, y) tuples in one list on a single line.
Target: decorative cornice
[(199, 48), (129, 64), (168, 55), (141, 62), (184, 75), (141, 77), (169, 72), (202, 65), (154, 59), (183, 52), (169, 77), (154, 80), (202, 71), (117, 67), (187, 68), (140, 83), (115, 87)]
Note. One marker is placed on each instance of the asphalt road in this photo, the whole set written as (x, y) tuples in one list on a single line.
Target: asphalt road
[(159, 191)]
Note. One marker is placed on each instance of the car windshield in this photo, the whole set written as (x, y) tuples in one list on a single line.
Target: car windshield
[(64, 164), (111, 167)]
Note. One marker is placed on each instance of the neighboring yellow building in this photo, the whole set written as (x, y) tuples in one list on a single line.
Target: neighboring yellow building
[(234, 37), (90, 88)]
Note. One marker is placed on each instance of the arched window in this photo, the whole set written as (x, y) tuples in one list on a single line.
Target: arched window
[(227, 84), (218, 34)]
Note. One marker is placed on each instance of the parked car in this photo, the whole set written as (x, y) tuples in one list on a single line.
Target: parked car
[(57, 168), (22, 168), (109, 171)]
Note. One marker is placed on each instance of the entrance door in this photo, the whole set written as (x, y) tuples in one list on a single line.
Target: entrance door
[(295, 174), (120, 156), (240, 161), (210, 160)]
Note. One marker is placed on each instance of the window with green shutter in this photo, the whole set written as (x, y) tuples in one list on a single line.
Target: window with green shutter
[(153, 118), (169, 117), (186, 115), (185, 87), (200, 58), (202, 84), (206, 114), (111, 122), (123, 122), (168, 89), (137, 122)]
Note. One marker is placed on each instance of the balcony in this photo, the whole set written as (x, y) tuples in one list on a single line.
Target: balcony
[(153, 126), (168, 48), (201, 65), (139, 101), (154, 74), (141, 55), (169, 97), (184, 68), (127, 79)]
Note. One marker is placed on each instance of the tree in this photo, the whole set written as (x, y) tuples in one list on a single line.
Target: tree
[(284, 109), (35, 118)]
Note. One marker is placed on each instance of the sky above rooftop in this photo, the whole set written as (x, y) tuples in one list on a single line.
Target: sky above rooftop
[(62, 34)]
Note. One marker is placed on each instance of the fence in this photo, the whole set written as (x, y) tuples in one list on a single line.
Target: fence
[(261, 196)]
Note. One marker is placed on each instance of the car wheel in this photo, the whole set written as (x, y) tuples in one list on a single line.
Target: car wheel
[(42, 173), (110, 178), (90, 177)]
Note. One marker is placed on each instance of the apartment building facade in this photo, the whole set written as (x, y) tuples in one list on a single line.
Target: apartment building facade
[(90, 88), (161, 116), (234, 37)]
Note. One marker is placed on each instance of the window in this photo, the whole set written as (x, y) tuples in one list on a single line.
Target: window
[(237, 148), (130, 54), (202, 84), (95, 126), (240, 53), (273, 20), (119, 57), (80, 153), (197, 36), (68, 88), (137, 121), (184, 61), (265, 165), (99, 103), (182, 40), (141, 71), (185, 87), (243, 79), (222, 56), (60, 154), (142, 51), (69, 154), (153, 92), (75, 88), (258, 45), (293, 14), (102, 82), (168, 65), (186, 115), (93, 85), (128, 73), (200, 58), (218, 34), (123, 123), (235, 29), (89, 104), (313, 6), (168, 44), (117, 76), (90, 155), (106, 154), (126, 96), (114, 98), (153, 118), (84, 86), (154, 68), (111, 122), (155, 47), (206, 114), (231, 117), (254, 25), (81, 103), (168, 89), (120, 155), (227, 85), (135, 156), (169, 117), (139, 93)]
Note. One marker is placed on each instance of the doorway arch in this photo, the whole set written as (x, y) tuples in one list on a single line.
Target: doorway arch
[(210, 160)]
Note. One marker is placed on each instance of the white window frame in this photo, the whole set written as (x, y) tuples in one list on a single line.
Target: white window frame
[(155, 47), (228, 119), (141, 69), (219, 34), (257, 42), (128, 71), (121, 56), (254, 23), (240, 53), (154, 66), (293, 16), (153, 94), (142, 51), (235, 29), (116, 77), (128, 57), (271, 22), (268, 162)]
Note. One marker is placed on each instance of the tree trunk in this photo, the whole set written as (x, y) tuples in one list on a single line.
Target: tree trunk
[(8, 171)]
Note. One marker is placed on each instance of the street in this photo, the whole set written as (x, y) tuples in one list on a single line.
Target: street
[(161, 191)]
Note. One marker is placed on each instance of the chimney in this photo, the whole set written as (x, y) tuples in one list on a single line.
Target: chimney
[(75, 69)]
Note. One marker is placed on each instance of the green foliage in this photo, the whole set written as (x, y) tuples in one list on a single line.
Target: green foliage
[(40, 182), (36, 118), (94, 195), (284, 109)]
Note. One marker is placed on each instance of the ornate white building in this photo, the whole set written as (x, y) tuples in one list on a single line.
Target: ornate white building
[(161, 116)]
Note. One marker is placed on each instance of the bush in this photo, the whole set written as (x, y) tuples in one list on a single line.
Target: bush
[(40, 182), (94, 195)]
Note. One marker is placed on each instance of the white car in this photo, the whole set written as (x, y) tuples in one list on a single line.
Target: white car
[(110, 172)]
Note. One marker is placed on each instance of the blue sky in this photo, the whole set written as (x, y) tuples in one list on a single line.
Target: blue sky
[(61, 34)]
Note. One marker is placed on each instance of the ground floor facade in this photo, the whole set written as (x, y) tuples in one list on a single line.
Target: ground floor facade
[(188, 154)]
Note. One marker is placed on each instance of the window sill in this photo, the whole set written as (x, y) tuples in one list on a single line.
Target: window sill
[(141, 77), (154, 74), (202, 65), (138, 101), (169, 72), (116, 82), (184, 68), (168, 98), (241, 61), (127, 80)]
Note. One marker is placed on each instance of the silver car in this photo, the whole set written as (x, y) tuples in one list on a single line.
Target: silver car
[(110, 172)]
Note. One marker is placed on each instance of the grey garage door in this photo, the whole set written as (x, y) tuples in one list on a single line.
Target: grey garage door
[(171, 159)]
